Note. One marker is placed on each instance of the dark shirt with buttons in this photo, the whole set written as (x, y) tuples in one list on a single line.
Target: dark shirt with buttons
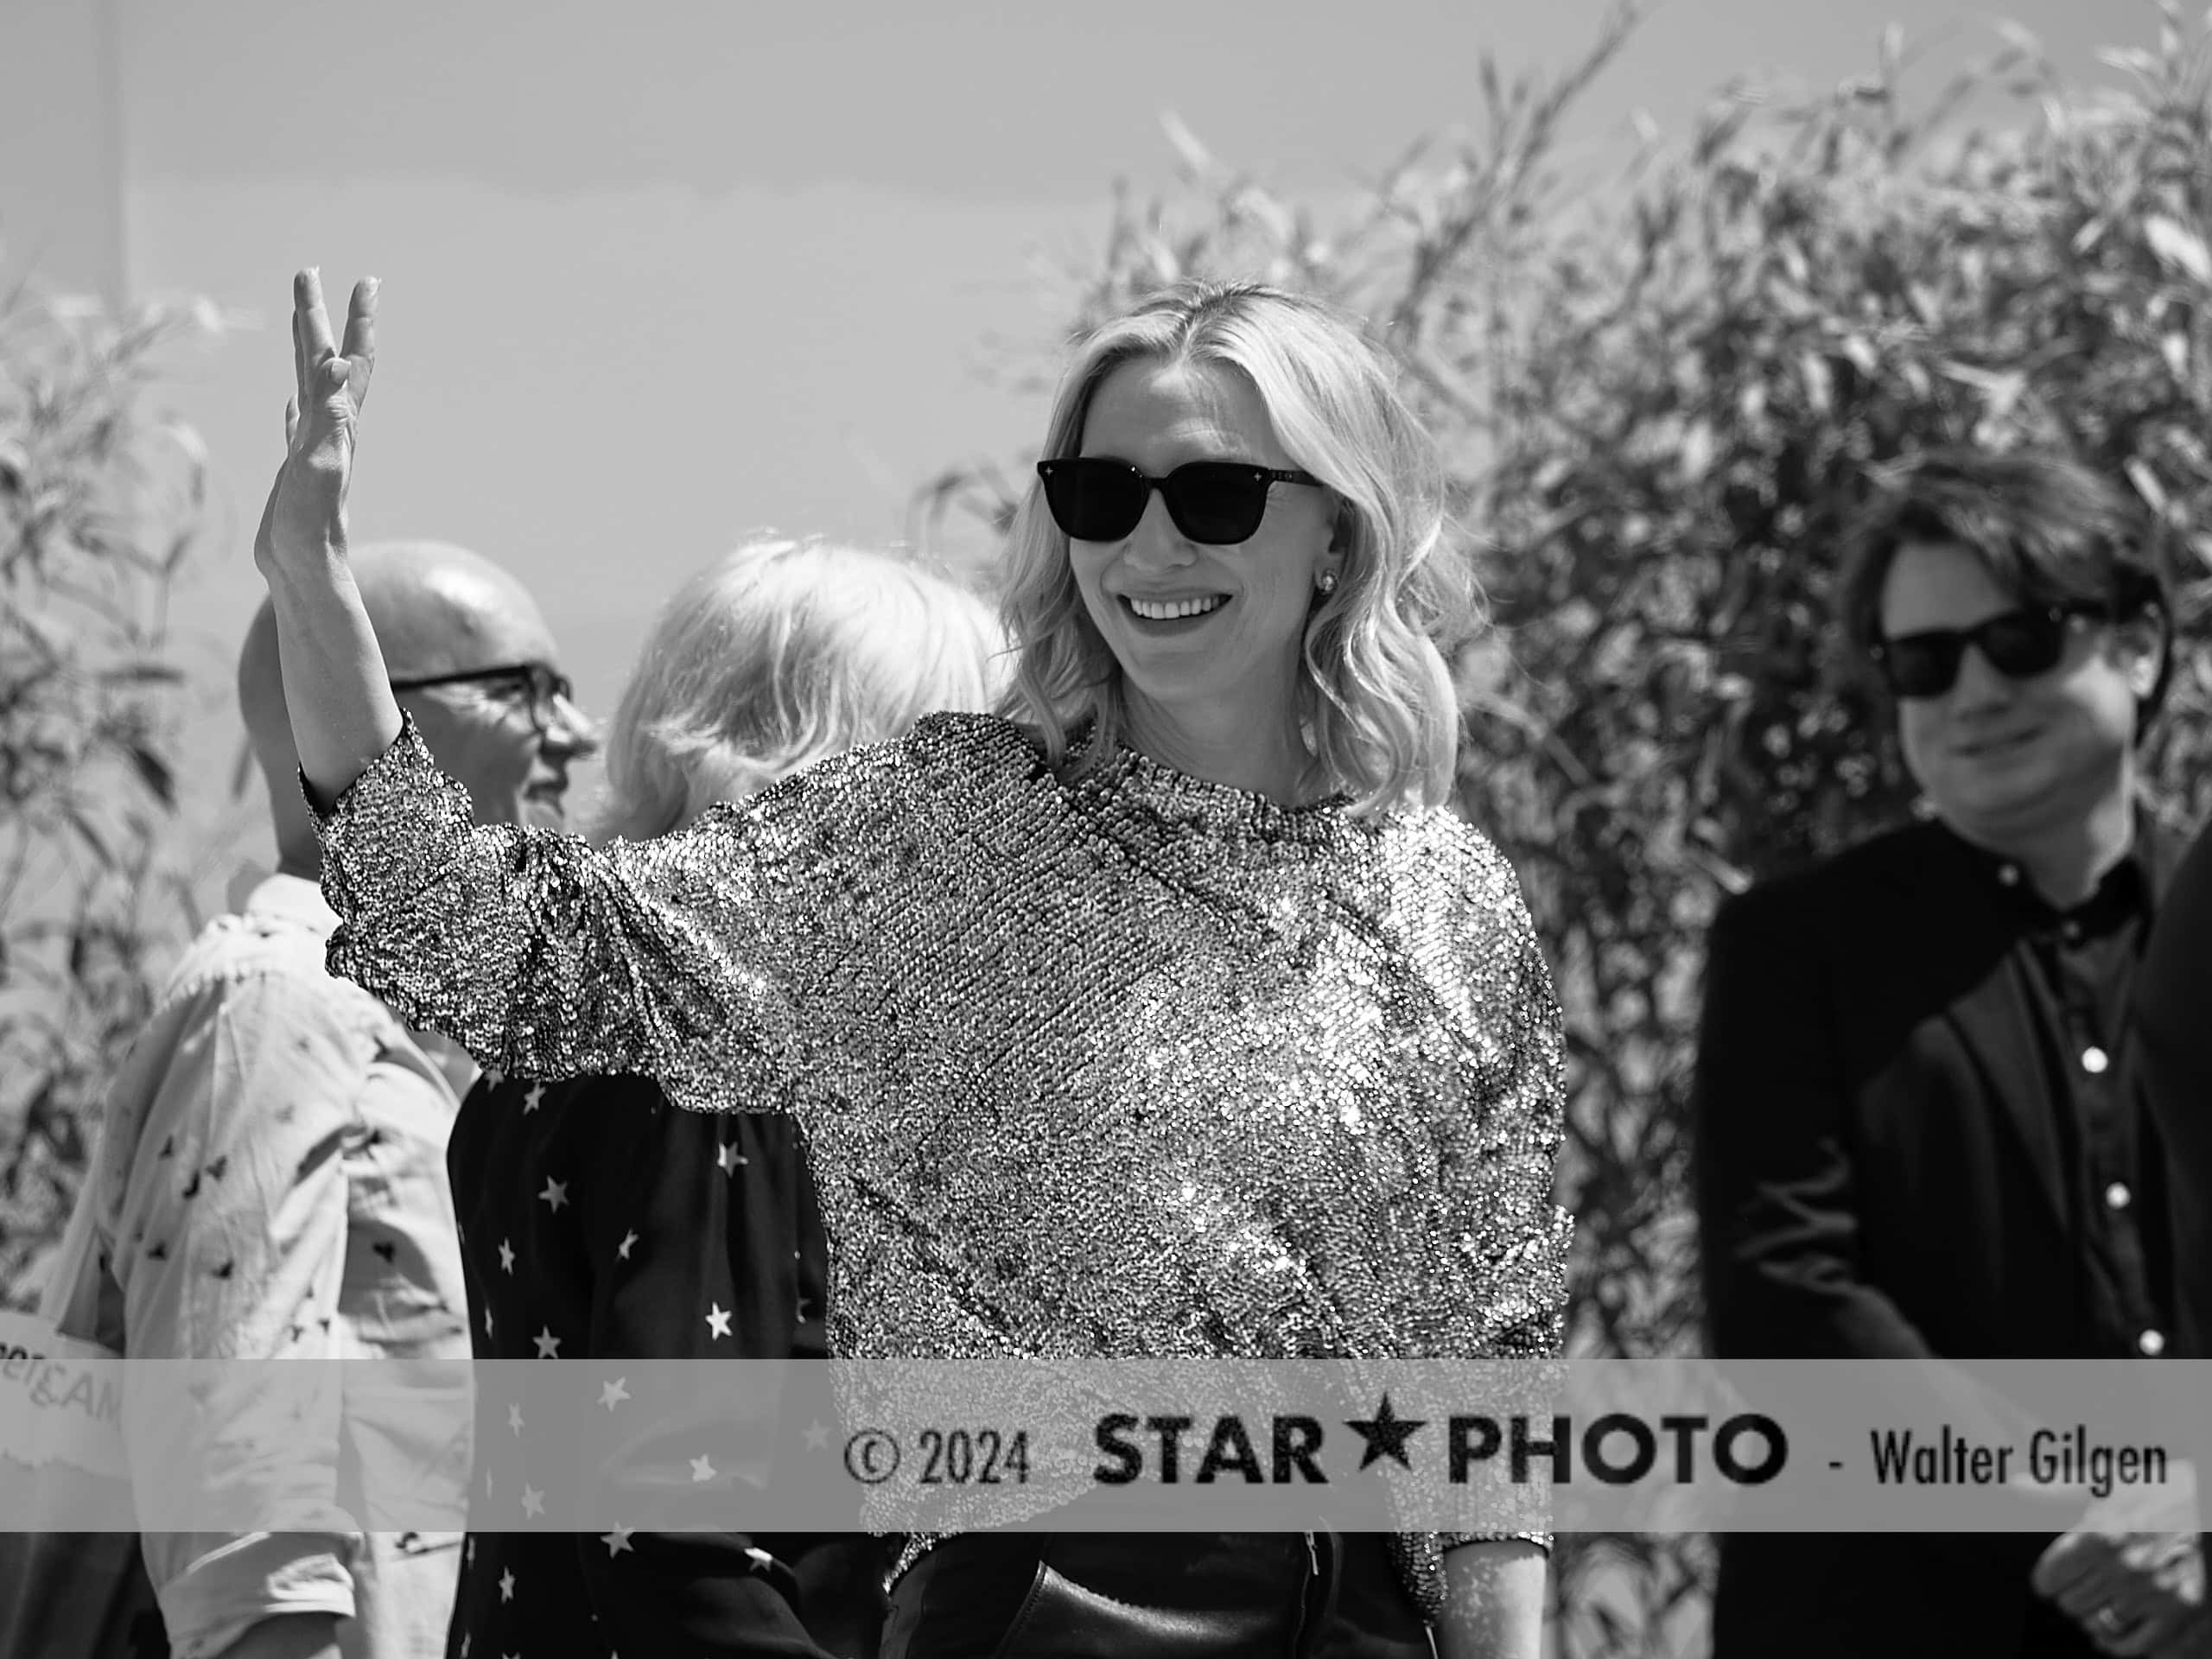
[(2083, 960)]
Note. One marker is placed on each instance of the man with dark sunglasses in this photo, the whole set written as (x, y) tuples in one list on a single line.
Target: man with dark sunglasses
[(1922, 1126)]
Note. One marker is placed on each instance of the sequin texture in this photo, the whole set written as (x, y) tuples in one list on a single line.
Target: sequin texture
[(1111, 1062)]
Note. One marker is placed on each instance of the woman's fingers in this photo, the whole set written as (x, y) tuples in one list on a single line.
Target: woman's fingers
[(299, 361), (361, 347), (313, 320)]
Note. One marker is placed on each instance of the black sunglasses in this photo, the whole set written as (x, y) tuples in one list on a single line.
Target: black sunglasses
[(548, 688), (2019, 645), (1212, 502)]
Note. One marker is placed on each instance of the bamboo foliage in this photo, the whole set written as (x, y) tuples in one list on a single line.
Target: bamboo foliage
[(100, 500)]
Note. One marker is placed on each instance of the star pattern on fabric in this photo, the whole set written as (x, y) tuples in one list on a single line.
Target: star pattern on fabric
[(535, 1098), (549, 1252), (817, 1436)]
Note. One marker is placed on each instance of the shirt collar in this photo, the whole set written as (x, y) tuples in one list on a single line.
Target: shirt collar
[(296, 900), (2125, 890)]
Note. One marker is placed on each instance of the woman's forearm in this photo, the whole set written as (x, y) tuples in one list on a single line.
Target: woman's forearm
[(1493, 1601), (342, 710)]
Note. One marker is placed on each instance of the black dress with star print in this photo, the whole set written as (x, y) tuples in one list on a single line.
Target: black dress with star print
[(599, 1222)]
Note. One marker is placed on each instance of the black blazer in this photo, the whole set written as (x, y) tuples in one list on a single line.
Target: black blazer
[(1880, 1175), (2173, 1016)]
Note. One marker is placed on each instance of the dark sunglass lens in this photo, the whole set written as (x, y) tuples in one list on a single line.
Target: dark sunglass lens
[(1093, 500), (1922, 664), (1217, 503), (2024, 643)]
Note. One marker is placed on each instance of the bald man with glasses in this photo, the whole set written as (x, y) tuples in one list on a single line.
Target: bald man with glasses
[(271, 1182)]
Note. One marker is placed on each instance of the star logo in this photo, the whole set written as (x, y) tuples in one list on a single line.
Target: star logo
[(514, 1418), (556, 1193), (612, 1394), (1386, 1434), (729, 1158), (548, 1345), (717, 1321), (487, 1321), (623, 1249), (617, 1541), (817, 1437), (701, 1468), (506, 1256), (507, 1584), (531, 1100), (533, 1502)]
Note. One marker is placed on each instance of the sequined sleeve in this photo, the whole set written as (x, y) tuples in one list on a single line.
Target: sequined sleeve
[(676, 959), (1499, 1152)]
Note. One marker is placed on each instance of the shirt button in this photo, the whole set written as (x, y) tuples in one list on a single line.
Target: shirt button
[(2117, 1197), (2095, 1060), (2151, 1342)]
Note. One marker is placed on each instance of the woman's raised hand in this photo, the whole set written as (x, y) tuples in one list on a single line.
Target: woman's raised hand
[(305, 519), (343, 715)]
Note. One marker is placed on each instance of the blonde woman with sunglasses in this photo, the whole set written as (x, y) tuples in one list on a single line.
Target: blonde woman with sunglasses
[(1167, 1012)]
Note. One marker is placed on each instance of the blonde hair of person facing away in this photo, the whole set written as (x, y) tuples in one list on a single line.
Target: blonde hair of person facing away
[(1377, 704), (779, 654)]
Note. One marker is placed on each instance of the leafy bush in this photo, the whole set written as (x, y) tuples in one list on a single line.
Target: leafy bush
[(1660, 396), (98, 506)]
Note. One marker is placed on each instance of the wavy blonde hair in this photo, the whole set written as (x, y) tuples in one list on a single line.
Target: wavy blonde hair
[(1377, 699), (780, 654)]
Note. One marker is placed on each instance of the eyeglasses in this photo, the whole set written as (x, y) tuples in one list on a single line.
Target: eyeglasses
[(1212, 502), (2019, 644), (546, 688)]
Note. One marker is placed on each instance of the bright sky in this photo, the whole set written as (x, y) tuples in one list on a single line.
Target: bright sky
[(657, 274)]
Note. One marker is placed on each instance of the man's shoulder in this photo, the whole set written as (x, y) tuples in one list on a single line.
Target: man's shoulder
[(1853, 888), (250, 957)]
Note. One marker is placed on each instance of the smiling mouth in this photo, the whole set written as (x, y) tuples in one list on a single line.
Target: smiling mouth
[(1989, 746), (1175, 610)]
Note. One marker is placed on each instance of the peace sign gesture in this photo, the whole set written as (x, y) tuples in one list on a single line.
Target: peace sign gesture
[(306, 515)]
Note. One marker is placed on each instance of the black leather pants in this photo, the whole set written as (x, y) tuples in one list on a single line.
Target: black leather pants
[(1204, 1595)]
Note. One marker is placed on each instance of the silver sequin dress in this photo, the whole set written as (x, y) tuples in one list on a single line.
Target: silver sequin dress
[(1113, 1063)]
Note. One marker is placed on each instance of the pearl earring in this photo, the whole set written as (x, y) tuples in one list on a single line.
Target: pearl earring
[(1328, 583)]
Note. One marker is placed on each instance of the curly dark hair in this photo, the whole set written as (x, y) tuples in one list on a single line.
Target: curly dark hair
[(2049, 530)]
